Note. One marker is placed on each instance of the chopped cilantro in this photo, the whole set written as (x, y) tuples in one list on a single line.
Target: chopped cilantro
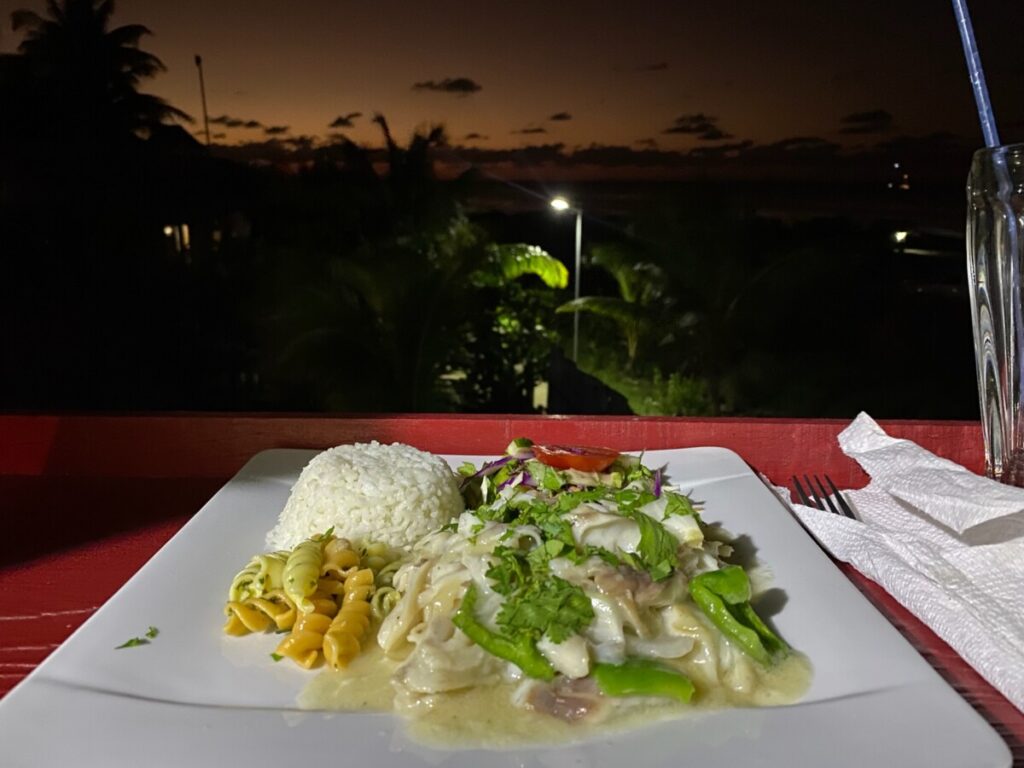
[(551, 607), (132, 643), (467, 469), (548, 478), (678, 504), (566, 502), (276, 657), (657, 548), (152, 632), (510, 574), (553, 547), (537, 602), (630, 499)]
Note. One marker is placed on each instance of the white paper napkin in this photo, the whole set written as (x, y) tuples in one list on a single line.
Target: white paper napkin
[(947, 544)]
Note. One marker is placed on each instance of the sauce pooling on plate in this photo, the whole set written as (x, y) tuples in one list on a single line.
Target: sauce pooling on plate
[(483, 717)]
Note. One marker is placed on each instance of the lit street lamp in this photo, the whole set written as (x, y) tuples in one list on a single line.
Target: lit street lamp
[(560, 204)]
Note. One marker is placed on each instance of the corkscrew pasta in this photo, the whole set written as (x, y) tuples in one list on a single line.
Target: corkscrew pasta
[(302, 571), (324, 593), (343, 639)]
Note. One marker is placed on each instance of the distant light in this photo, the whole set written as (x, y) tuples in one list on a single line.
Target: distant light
[(895, 165), (899, 237), (560, 204), (168, 230)]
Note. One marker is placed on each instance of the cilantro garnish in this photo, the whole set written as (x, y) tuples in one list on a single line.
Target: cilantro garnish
[(537, 602), (657, 548), (679, 504), (276, 657), (131, 643), (511, 572), (551, 607)]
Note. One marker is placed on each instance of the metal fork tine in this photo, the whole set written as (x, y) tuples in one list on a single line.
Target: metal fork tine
[(839, 498), (817, 499), (824, 494), (800, 492)]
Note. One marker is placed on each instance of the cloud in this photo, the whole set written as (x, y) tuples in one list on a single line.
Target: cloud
[(533, 154), (704, 127), (344, 121), (227, 122), (300, 142), (649, 143), (658, 66), (474, 137), (234, 122), (275, 130), (531, 130), (613, 156), (720, 150), (460, 86), (218, 135), (872, 121), (795, 149), (560, 117)]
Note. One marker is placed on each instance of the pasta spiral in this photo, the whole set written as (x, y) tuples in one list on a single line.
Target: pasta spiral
[(304, 643), (302, 572), (258, 613), (339, 558), (342, 639), (262, 574), (323, 593)]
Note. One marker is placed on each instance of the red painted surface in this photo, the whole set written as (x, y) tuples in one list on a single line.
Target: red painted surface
[(86, 500)]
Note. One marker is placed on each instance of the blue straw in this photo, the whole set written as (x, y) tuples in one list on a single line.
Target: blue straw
[(988, 120)]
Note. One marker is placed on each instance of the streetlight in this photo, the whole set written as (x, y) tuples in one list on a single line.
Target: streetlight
[(561, 205)]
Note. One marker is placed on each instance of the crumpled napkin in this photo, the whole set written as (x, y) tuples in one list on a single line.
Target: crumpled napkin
[(946, 543)]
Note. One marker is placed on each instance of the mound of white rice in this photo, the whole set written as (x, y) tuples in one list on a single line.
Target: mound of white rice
[(394, 494)]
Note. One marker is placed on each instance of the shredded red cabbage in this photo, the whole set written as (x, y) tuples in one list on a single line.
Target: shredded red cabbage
[(657, 483), (486, 469)]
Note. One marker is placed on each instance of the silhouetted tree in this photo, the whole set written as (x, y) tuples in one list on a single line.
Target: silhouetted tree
[(417, 291), (86, 75)]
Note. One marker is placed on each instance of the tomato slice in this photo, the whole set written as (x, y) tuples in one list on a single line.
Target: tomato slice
[(585, 459)]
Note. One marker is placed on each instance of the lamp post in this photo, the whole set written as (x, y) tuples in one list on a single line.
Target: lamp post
[(560, 204), (202, 93)]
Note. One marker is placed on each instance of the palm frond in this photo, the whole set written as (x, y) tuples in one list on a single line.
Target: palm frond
[(613, 308), (24, 18), (128, 35), (517, 259)]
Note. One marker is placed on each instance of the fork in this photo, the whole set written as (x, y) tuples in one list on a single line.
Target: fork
[(823, 500)]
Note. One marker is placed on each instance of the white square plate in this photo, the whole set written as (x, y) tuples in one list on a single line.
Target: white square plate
[(194, 697)]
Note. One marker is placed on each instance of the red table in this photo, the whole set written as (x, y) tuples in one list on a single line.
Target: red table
[(86, 500)]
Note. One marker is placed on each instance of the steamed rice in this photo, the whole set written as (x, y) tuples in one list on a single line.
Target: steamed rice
[(393, 494)]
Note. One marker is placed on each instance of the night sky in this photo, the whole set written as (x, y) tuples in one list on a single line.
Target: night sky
[(638, 75)]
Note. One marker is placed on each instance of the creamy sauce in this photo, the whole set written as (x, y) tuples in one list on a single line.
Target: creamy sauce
[(485, 717)]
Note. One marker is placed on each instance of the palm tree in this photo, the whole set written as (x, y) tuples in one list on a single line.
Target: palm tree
[(88, 74), (637, 307), (416, 294)]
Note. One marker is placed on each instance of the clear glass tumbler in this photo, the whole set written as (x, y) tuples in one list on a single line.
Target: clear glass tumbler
[(995, 259)]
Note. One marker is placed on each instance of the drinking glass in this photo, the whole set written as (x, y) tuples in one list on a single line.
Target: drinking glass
[(995, 258)]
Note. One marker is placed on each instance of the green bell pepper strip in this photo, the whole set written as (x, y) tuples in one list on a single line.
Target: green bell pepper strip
[(643, 677), (520, 651), (724, 597)]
